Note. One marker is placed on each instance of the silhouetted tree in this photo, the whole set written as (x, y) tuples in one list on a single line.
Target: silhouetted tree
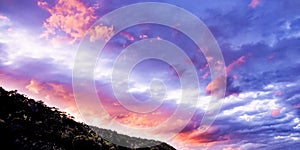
[(29, 124)]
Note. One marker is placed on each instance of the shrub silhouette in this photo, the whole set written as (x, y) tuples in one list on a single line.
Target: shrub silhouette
[(29, 124)]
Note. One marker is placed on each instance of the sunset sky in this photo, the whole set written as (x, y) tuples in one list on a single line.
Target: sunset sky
[(259, 41)]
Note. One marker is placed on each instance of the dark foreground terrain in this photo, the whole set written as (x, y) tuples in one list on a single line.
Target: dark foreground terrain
[(29, 124)]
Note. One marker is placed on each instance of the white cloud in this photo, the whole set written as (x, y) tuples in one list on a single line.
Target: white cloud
[(297, 122), (175, 95), (292, 136), (103, 70), (21, 43), (252, 106), (138, 88)]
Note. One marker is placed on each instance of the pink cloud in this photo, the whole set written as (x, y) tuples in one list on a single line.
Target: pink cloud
[(276, 112), (127, 35), (132, 119), (34, 87), (216, 84), (61, 95), (204, 68), (140, 120), (197, 138), (12, 83), (70, 17), (204, 76), (99, 32), (52, 93), (237, 62), (231, 148), (158, 38), (254, 3), (2, 17), (272, 56), (143, 36), (297, 106), (235, 77), (278, 93)]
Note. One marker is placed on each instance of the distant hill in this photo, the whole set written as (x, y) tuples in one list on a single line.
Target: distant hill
[(29, 124)]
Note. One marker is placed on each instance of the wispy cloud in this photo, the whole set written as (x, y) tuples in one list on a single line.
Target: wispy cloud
[(254, 3), (259, 40)]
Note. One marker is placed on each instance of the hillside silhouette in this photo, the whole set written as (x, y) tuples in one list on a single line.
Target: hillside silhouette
[(29, 124)]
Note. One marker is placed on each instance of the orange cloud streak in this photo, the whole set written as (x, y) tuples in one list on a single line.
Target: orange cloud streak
[(216, 84), (198, 138), (132, 119), (237, 62), (54, 94), (127, 35)]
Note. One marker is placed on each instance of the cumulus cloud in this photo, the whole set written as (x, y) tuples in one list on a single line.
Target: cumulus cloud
[(71, 17), (216, 84), (100, 32), (245, 122), (259, 41)]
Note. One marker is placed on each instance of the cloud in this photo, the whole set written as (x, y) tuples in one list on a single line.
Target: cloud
[(262, 98), (136, 120), (55, 94), (246, 123), (21, 46), (276, 112), (70, 17), (232, 88), (235, 63), (5, 18), (254, 3), (128, 36), (248, 25), (216, 84), (100, 32), (34, 87)]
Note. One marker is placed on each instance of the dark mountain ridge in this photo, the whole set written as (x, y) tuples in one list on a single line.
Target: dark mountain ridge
[(29, 124)]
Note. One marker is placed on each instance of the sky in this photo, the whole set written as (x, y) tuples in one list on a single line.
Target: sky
[(40, 41)]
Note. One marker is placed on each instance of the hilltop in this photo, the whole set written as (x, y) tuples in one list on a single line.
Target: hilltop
[(29, 124)]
